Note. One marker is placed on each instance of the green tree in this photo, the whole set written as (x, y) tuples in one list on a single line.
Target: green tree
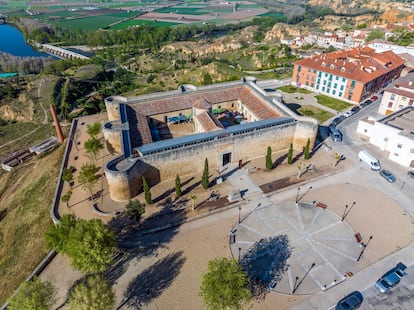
[(207, 78), (306, 150), (67, 175), (147, 191), (269, 162), (66, 197), (135, 208), (375, 34), (33, 295), (92, 147), (178, 186), (193, 201), (90, 244), (94, 129), (204, 178), (290, 154), (95, 293), (87, 177), (56, 235), (225, 285)]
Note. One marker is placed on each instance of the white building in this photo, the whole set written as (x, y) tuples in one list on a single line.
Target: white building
[(381, 46), (396, 98), (393, 134)]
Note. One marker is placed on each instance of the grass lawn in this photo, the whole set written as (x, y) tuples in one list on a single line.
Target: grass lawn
[(26, 195), (293, 89), (319, 114), (333, 103)]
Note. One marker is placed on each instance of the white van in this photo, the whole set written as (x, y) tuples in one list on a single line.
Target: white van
[(369, 160)]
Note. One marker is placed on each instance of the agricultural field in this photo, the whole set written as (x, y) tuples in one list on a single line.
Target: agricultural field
[(94, 15), (138, 22)]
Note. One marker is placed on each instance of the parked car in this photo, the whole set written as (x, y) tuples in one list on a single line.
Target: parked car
[(387, 175), (337, 120), (368, 102), (391, 278), (350, 302), (348, 113), (374, 98), (411, 173), (335, 134), (355, 109), (363, 104)]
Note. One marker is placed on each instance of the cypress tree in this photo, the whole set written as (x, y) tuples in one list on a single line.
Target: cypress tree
[(290, 154), (204, 177), (178, 186), (306, 150), (147, 192), (269, 162)]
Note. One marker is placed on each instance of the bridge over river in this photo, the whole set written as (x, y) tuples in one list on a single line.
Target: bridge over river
[(62, 53)]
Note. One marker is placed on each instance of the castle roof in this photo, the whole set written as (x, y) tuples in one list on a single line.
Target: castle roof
[(202, 104), (209, 122)]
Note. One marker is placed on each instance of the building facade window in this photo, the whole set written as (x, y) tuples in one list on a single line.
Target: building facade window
[(392, 96), (399, 145), (390, 104), (333, 92), (299, 68), (340, 94)]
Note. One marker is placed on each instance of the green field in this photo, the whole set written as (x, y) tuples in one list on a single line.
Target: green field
[(92, 22), (333, 103), (139, 22), (13, 5), (278, 15)]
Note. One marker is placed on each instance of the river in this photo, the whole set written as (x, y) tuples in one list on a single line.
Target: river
[(12, 42)]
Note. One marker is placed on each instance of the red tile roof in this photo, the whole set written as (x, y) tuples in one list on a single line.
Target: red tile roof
[(209, 122), (251, 101), (360, 64)]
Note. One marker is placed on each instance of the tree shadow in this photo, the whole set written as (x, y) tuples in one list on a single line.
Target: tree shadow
[(294, 107), (278, 161), (151, 282), (265, 263), (297, 157), (170, 191), (144, 238)]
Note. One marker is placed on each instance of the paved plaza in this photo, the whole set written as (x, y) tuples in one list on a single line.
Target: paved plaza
[(323, 248)]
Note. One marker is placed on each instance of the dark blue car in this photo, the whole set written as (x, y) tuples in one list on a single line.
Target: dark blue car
[(350, 302)]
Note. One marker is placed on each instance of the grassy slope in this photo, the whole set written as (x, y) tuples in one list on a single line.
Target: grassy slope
[(26, 194)]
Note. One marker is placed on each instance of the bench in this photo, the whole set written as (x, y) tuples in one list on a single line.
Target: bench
[(321, 205)]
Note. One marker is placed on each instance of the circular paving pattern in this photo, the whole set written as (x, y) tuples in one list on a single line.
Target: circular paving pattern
[(322, 248)]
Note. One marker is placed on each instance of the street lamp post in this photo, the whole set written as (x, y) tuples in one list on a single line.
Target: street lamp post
[(346, 211), (297, 195), (303, 278), (303, 195), (239, 213), (239, 253), (364, 248)]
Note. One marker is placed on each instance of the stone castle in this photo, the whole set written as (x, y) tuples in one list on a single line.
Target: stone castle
[(164, 134)]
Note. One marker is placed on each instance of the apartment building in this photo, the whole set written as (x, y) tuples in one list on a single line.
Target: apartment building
[(350, 75), (397, 97)]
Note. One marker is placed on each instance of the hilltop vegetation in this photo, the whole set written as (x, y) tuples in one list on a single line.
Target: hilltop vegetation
[(25, 198)]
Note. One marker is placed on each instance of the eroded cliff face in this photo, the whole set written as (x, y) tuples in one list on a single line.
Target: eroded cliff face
[(283, 31), (203, 49)]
